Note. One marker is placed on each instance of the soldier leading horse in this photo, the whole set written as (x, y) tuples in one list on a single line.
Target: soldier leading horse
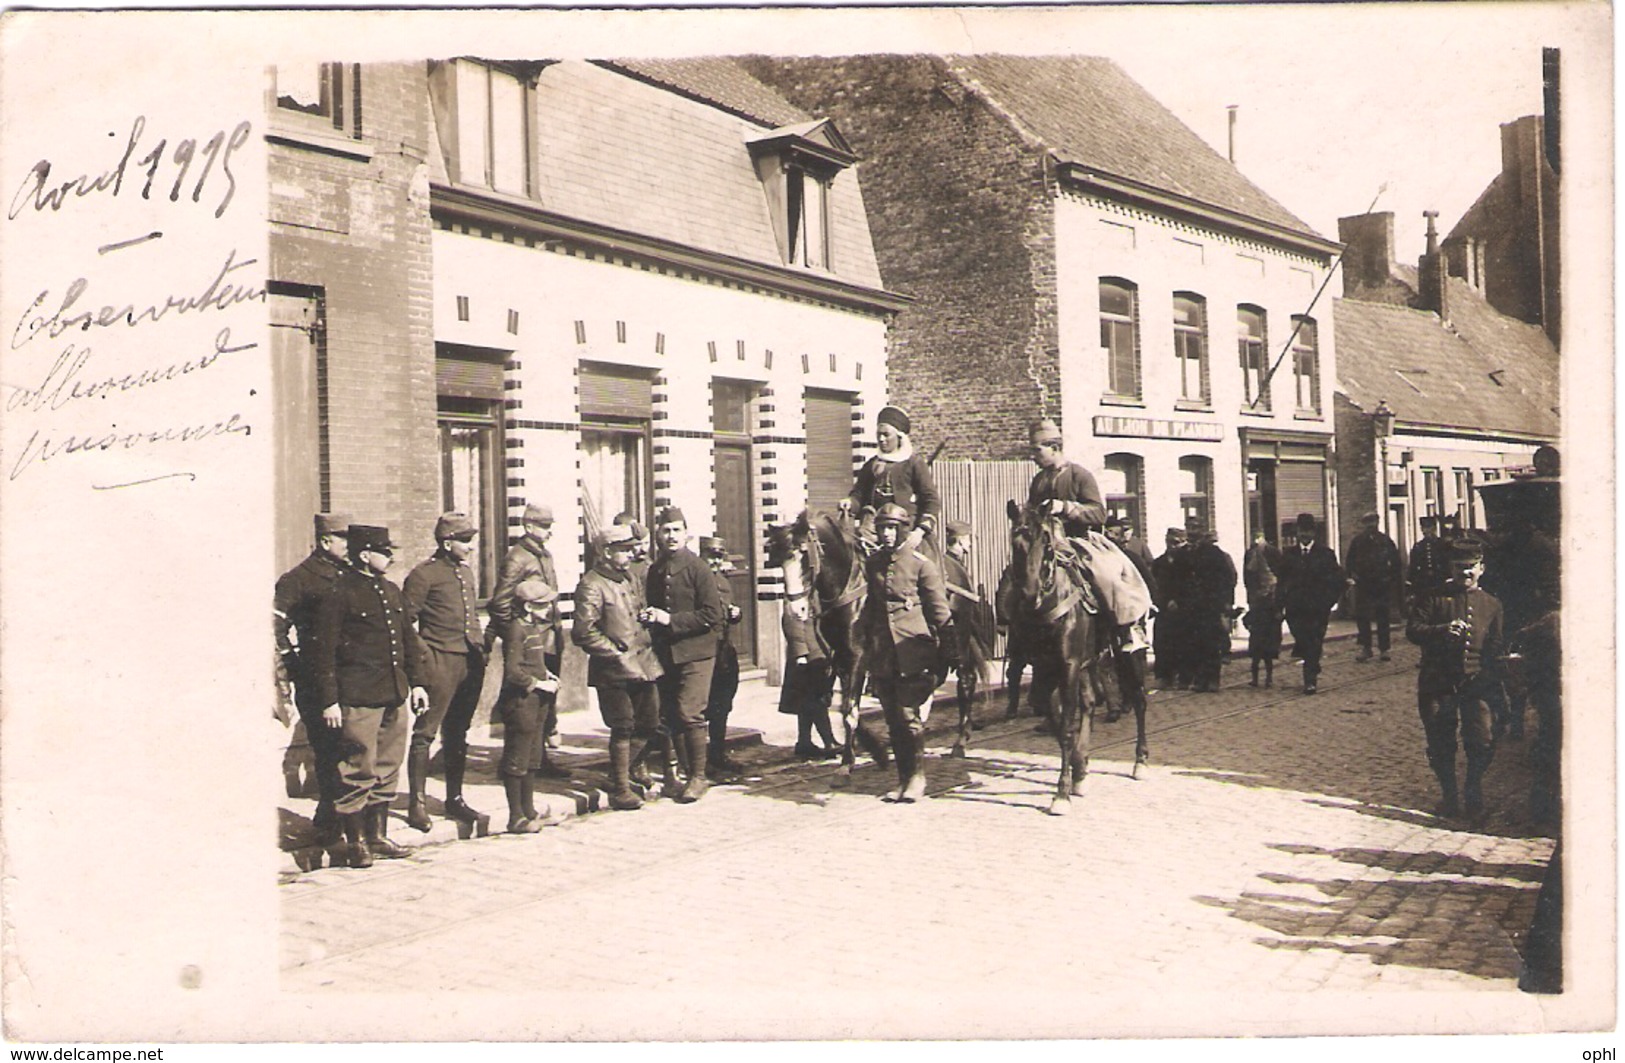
[(822, 566), (1059, 622)]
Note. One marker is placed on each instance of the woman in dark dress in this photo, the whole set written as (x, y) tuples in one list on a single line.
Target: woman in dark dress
[(1260, 573)]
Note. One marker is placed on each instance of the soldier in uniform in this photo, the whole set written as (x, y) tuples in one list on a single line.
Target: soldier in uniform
[(898, 475), (621, 662), (1429, 563), (1459, 628), (684, 614), (530, 682), (367, 663), (299, 592), (1066, 489), (970, 650), (441, 598), (1207, 605), (904, 618), (725, 674), (1372, 561), (529, 559), (1311, 583), (1171, 571)]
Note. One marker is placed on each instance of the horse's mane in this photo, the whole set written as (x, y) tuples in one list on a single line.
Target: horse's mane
[(838, 540)]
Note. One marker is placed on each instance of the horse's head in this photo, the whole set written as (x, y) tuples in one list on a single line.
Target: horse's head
[(1033, 551), (786, 541)]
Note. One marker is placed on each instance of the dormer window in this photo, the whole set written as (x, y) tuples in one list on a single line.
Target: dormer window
[(483, 111), (797, 166)]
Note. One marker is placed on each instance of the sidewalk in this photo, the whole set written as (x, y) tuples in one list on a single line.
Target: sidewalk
[(758, 735)]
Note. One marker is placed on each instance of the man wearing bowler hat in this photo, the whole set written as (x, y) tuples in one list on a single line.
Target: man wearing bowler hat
[(1311, 583), (299, 592), (367, 663), (441, 599), (1460, 630), (529, 559), (621, 663), (684, 614), (1372, 561)]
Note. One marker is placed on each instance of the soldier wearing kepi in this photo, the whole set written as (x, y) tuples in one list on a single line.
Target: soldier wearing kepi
[(440, 598), (529, 559), (1066, 489), (299, 592), (621, 662), (530, 682), (725, 675), (904, 617), (1372, 561), (1460, 630), (367, 663), (684, 613)]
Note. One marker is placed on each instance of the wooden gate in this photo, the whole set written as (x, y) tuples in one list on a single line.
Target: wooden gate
[(976, 492)]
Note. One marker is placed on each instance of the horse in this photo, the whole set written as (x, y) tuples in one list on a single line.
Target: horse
[(1054, 609), (823, 565)]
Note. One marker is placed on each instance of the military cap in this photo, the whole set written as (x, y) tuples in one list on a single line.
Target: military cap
[(616, 535), (454, 526), (370, 537), (670, 515), (332, 524), (1116, 521), (1174, 533), (895, 417), (1307, 522), (536, 513), (958, 528), (1466, 552), (891, 513), (1195, 526), (1369, 518), (535, 590), (626, 519), (1430, 522), (713, 544), (1045, 431)]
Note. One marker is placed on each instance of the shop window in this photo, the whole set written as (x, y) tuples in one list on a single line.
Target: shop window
[(1252, 337), (1190, 348), (1120, 337), (1123, 490)]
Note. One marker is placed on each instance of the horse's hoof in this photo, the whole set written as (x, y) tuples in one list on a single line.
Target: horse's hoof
[(1060, 806), (843, 777), (1077, 788), (958, 750)]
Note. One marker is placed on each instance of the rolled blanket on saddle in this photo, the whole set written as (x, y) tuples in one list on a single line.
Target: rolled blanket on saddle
[(1121, 588)]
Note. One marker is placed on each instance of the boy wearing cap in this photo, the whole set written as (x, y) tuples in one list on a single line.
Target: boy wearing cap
[(684, 614), (1311, 583), (1372, 560), (725, 675), (1460, 630), (904, 620), (621, 662), (530, 559), (441, 599), (530, 681), (897, 475), (367, 662), (299, 592), (966, 606)]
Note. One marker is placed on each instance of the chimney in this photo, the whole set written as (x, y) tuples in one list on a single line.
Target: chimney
[(1550, 67), (1368, 262), (1433, 273), (1232, 109)]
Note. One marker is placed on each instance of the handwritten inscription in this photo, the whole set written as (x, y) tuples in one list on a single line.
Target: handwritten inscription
[(39, 449), (39, 191), (62, 383)]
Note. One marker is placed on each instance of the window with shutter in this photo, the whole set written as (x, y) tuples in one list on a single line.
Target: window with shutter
[(829, 447)]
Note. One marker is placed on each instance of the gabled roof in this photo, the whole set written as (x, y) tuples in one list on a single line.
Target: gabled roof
[(1484, 372), (1087, 111), (719, 82)]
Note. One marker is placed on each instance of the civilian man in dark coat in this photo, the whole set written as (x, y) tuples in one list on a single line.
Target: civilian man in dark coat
[(1429, 563), (1311, 584), (621, 662), (684, 613), (530, 559), (1171, 572), (441, 598), (1208, 602), (367, 663), (904, 618), (1372, 561), (1460, 630), (725, 674), (299, 592)]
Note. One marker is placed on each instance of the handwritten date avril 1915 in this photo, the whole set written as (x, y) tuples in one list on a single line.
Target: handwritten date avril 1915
[(41, 192)]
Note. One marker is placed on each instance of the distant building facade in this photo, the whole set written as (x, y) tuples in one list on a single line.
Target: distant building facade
[(1074, 251)]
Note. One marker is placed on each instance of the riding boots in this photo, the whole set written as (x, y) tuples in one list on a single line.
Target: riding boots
[(417, 773), (359, 855), (621, 796), (377, 827), (456, 761), (698, 784)]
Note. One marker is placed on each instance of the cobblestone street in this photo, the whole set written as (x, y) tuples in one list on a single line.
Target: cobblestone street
[(1276, 843)]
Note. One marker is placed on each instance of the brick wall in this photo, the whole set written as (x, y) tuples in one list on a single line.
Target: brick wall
[(356, 229), (1357, 489), (963, 222)]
